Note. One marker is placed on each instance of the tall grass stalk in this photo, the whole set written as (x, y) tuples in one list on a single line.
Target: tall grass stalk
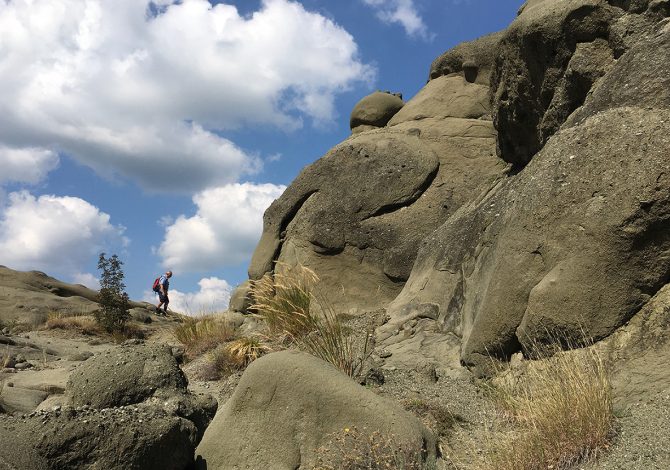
[(560, 409), (293, 314), (202, 334)]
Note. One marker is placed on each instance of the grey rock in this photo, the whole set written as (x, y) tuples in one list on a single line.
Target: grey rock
[(147, 438), (23, 400), (533, 56), (240, 299), (124, 375), (288, 404), (375, 110), (356, 216)]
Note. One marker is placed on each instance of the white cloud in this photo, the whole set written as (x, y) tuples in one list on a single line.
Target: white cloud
[(86, 279), (53, 234), (25, 165), (143, 96), (223, 232), (403, 12), (213, 296)]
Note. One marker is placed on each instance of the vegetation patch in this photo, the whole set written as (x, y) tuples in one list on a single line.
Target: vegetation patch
[(83, 324), (202, 334), (434, 415), (294, 315), (559, 410), (351, 449)]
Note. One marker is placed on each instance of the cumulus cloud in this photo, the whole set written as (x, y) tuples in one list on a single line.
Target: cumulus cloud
[(223, 232), (25, 165), (213, 296), (403, 12), (53, 234), (145, 89)]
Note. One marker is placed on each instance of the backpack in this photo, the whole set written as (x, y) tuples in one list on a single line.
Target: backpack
[(156, 286)]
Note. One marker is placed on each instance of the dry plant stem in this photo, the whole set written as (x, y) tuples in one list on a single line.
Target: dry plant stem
[(561, 411), (202, 334), (294, 315)]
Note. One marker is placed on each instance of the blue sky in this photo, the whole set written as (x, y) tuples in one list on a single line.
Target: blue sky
[(161, 130)]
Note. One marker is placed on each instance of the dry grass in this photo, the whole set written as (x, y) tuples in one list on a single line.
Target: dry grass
[(232, 357), (202, 334), (294, 315), (84, 324), (352, 449), (435, 416), (245, 350), (559, 410)]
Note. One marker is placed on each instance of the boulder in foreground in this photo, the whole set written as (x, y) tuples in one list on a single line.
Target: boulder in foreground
[(288, 405)]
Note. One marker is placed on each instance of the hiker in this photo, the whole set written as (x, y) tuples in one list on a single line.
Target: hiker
[(162, 291)]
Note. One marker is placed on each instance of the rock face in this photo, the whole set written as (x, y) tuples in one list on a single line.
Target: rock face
[(128, 438), (564, 231), (357, 215), (576, 242), (289, 404)]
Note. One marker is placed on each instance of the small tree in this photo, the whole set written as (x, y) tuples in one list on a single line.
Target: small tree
[(113, 313)]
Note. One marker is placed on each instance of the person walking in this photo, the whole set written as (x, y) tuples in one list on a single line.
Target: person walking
[(163, 286)]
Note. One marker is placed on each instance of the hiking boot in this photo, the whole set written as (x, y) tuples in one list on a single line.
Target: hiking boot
[(158, 311)]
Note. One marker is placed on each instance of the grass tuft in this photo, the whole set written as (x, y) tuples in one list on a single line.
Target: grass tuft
[(560, 410), (202, 334), (84, 324), (294, 315), (243, 351)]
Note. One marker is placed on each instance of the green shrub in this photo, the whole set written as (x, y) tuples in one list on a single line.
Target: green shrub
[(114, 304)]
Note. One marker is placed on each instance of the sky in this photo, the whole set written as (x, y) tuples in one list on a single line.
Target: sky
[(161, 130)]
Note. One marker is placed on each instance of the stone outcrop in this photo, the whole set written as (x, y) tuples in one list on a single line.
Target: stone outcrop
[(288, 405), (127, 407), (134, 437), (375, 110), (125, 375), (30, 296), (576, 242), (525, 188), (357, 215)]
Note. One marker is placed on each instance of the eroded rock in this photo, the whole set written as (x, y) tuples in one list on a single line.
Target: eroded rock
[(288, 404)]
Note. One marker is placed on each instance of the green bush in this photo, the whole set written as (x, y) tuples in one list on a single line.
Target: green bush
[(113, 313)]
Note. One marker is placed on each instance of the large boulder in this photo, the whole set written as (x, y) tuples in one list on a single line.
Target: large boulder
[(133, 373), (133, 437), (124, 375), (375, 110), (573, 245), (357, 215), (289, 404)]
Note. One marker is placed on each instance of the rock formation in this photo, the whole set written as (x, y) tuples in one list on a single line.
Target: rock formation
[(576, 242), (288, 405), (525, 188), (357, 215), (123, 408)]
